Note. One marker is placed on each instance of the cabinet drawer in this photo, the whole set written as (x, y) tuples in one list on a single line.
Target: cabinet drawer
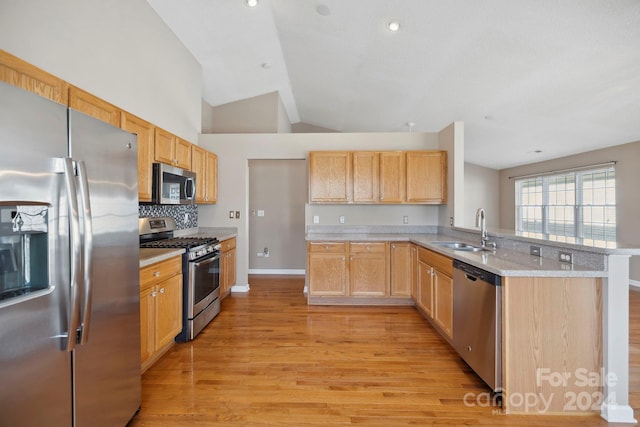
[(156, 273), (368, 248), (328, 247), (437, 261), (227, 244)]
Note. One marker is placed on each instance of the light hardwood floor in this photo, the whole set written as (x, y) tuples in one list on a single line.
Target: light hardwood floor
[(269, 359)]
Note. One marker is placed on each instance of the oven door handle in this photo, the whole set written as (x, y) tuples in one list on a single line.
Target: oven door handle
[(207, 260)]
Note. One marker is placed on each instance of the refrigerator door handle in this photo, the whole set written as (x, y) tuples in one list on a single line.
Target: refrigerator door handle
[(75, 253), (87, 236)]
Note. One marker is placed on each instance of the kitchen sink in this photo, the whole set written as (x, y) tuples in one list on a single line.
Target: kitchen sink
[(459, 246)]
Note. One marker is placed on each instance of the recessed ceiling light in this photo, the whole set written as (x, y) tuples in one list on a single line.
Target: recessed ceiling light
[(393, 26), (323, 10), (251, 3)]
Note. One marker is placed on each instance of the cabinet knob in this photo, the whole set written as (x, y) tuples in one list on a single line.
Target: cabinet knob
[(162, 290), (154, 294), (326, 247), (156, 274)]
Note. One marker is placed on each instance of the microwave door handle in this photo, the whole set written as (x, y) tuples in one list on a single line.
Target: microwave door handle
[(87, 236), (75, 254), (190, 189)]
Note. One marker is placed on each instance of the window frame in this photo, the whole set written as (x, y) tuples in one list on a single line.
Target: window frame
[(577, 235)]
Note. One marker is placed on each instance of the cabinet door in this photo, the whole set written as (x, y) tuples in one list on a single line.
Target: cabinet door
[(164, 147), (211, 174), (425, 285), (231, 278), (392, 177), (330, 176), (183, 153), (401, 276), (198, 155), (93, 106), (327, 274), (427, 177), (366, 177), (147, 323), (19, 73), (443, 290), (145, 133), (414, 273), (168, 310), (368, 271)]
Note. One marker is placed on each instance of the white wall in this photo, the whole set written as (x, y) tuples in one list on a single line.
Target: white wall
[(451, 139), (481, 190), (235, 150), (118, 50)]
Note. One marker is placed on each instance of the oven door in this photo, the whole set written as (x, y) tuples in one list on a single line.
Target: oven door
[(204, 283)]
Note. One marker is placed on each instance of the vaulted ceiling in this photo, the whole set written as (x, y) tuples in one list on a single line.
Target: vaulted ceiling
[(531, 80)]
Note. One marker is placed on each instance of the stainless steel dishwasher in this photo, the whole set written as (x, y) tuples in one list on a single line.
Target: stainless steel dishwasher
[(477, 321)]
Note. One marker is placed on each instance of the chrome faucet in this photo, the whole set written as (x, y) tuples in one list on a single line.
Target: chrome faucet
[(481, 222)]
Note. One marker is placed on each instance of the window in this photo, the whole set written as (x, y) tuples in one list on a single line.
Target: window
[(573, 207)]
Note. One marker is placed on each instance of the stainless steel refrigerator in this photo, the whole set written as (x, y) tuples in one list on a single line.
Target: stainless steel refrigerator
[(69, 281)]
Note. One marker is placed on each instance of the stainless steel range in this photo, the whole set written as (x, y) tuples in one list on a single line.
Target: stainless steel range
[(200, 272)]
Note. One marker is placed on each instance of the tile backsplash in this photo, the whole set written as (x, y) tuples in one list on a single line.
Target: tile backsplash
[(186, 216)]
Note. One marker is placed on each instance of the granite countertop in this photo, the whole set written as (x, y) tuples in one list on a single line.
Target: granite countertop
[(150, 256), (221, 233), (504, 262)]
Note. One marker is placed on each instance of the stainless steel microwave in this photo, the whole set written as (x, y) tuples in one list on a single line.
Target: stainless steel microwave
[(172, 185)]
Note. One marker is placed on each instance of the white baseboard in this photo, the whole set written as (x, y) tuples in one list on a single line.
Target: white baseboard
[(634, 283), (239, 289), (275, 271)]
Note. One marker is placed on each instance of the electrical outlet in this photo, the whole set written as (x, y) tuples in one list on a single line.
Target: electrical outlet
[(259, 254), (534, 250), (237, 214), (566, 257), (341, 219), (450, 220), (316, 219), (405, 219), (232, 214)]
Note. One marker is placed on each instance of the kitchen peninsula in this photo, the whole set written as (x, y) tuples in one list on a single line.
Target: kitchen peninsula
[(564, 325)]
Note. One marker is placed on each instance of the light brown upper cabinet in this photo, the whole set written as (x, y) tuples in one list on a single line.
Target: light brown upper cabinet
[(330, 176), (172, 150), (368, 177), (427, 177), (205, 166), (145, 132), (19, 73), (392, 177), (93, 106), (211, 176)]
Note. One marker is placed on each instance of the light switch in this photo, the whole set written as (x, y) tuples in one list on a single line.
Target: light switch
[(260, 212), (341, 219), (232, 214), (316, 219)]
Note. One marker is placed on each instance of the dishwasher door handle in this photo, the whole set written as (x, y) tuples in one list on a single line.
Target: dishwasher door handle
[(469, 277)]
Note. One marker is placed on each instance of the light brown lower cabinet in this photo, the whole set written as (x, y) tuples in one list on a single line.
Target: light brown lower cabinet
[(401, 269), (227, 266), (160, 308), (435, 289), (358, 273)]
